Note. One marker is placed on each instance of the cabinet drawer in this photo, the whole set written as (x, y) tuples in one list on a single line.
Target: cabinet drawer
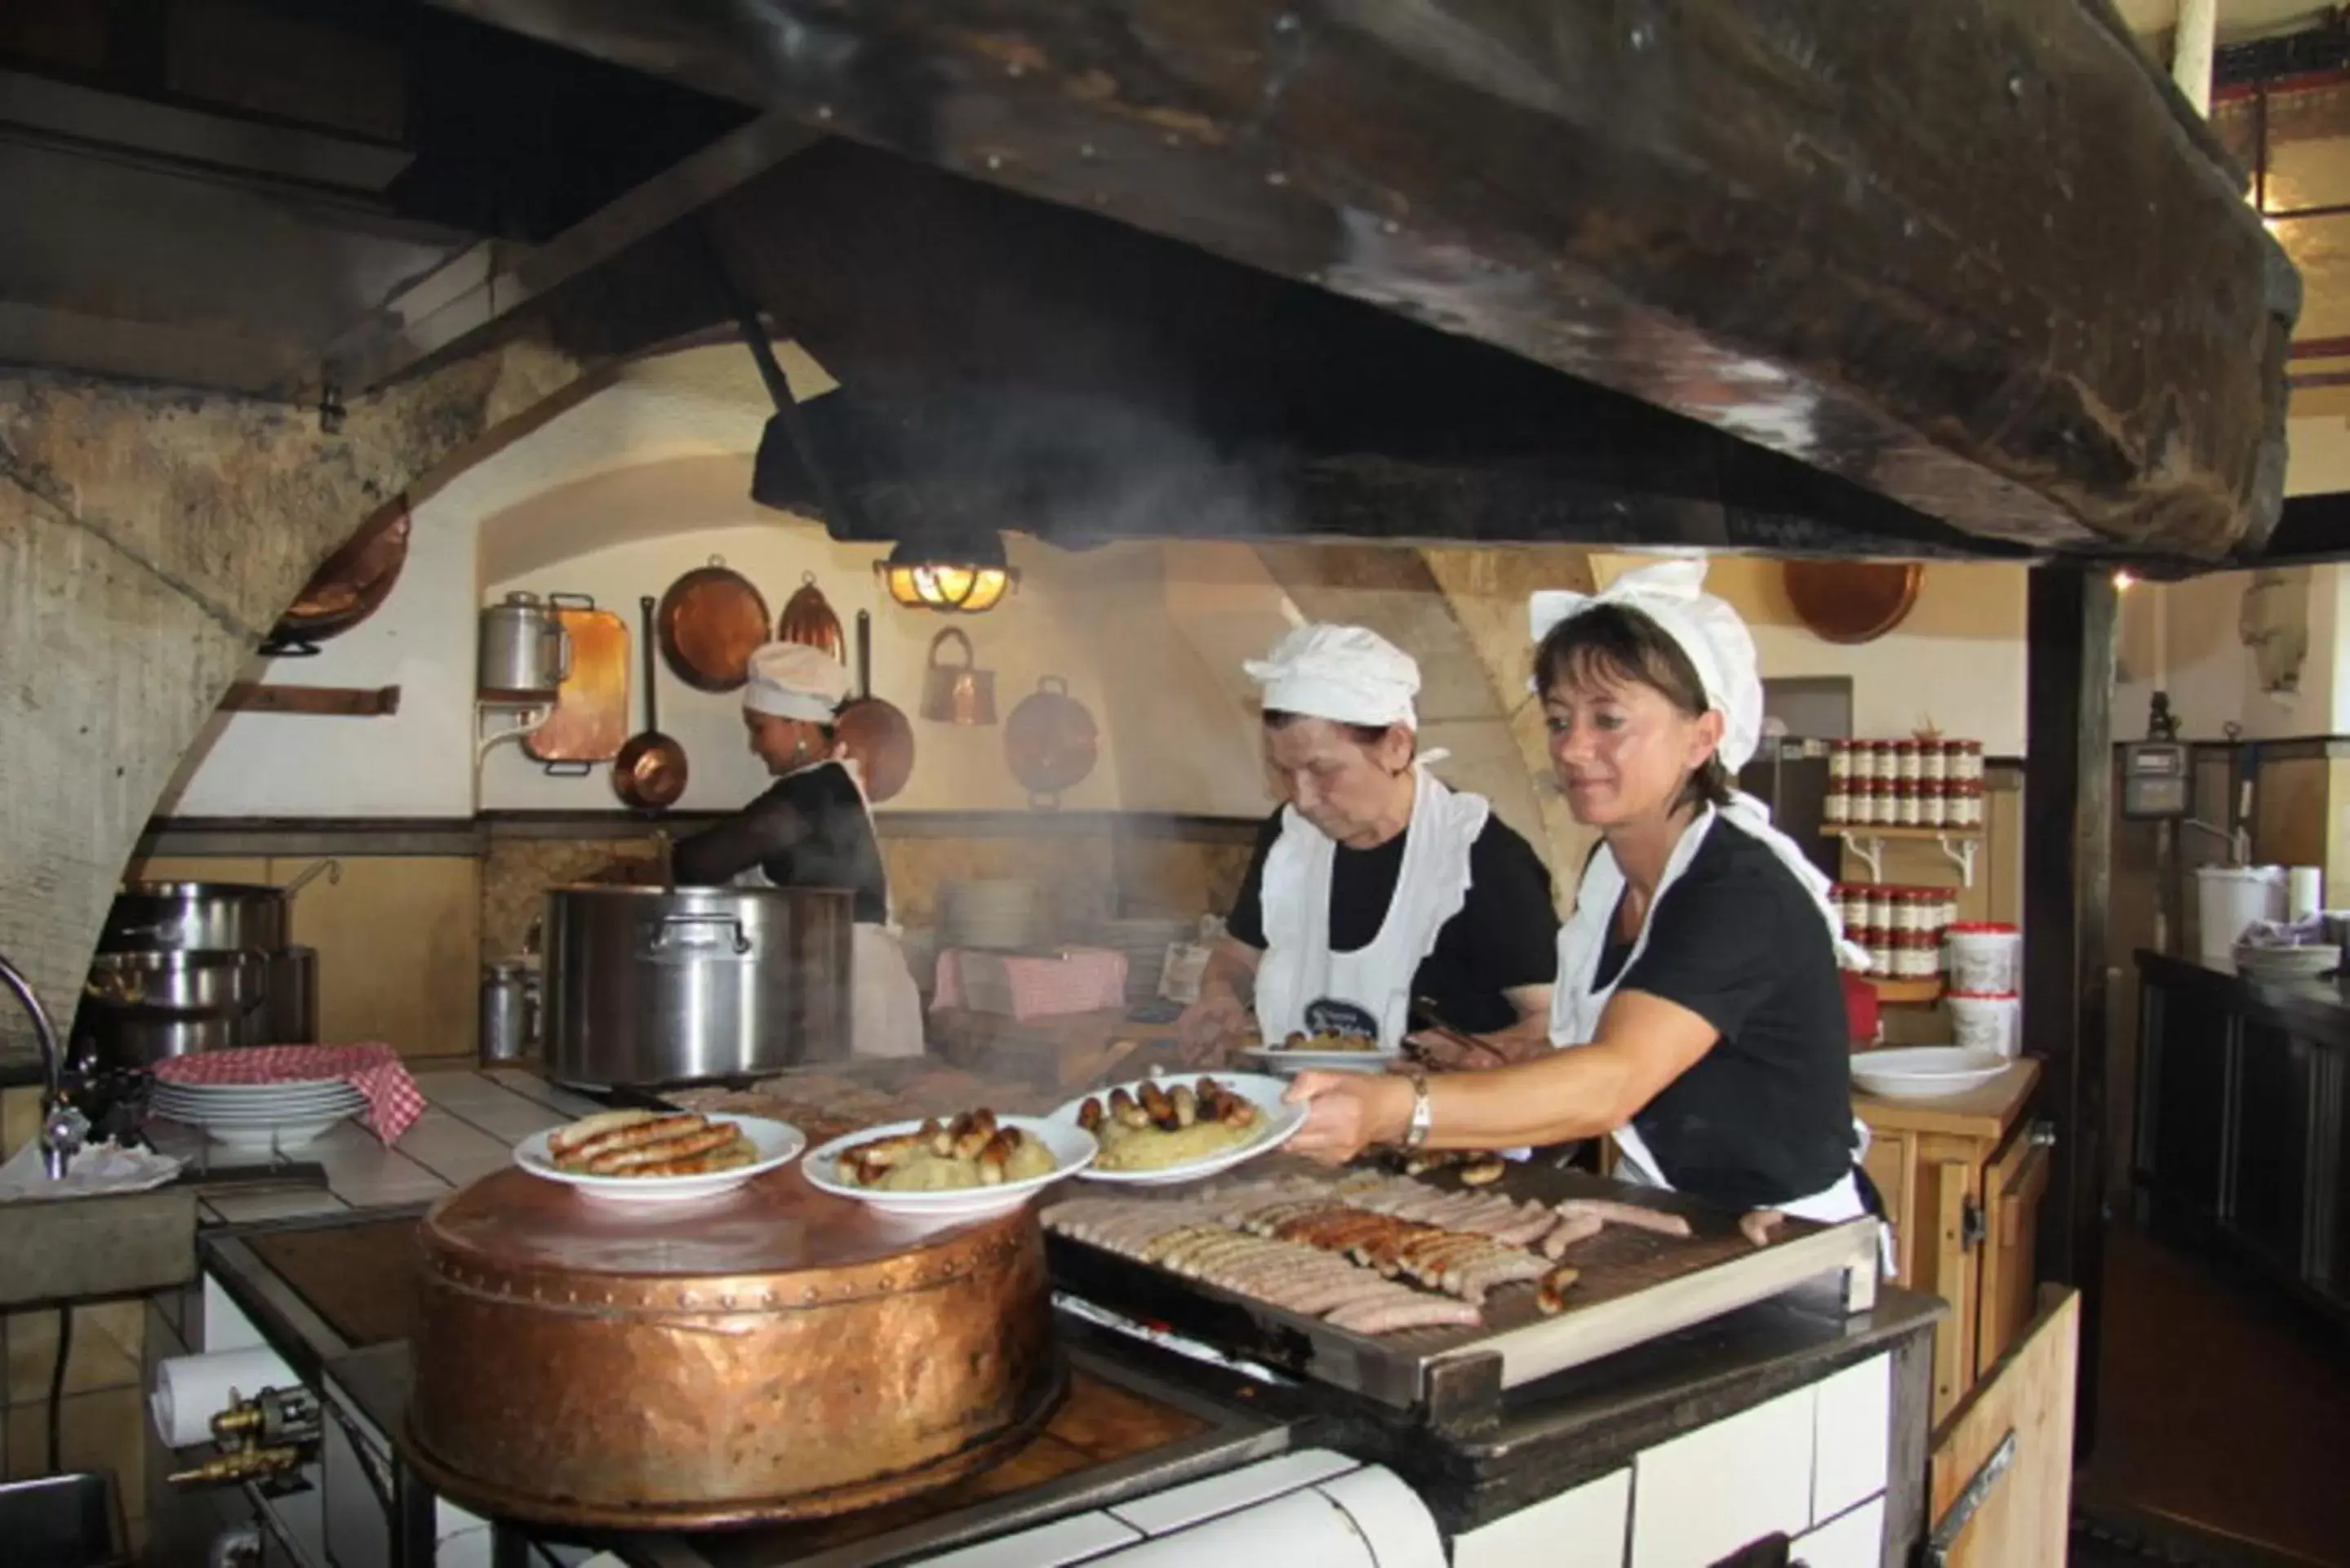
[(1701, 1497), (1852, 1432)]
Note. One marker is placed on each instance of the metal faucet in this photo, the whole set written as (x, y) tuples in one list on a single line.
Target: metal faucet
[(63, 1127)]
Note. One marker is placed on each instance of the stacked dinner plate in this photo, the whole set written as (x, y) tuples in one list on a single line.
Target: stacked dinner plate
[(996, 912), (1144, 941), (259, 1116)]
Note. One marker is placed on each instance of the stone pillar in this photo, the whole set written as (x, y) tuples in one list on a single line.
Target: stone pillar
[(149, 539)]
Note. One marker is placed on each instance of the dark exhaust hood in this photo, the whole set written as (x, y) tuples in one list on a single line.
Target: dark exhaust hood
[(1976, 261)]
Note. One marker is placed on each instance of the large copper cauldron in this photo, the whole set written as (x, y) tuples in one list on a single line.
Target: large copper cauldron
[(772, 1355)]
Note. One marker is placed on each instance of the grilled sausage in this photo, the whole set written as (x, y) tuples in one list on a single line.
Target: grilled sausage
[(975, 1135), (688, 1146), (564, 1139), (634, 1136), (994, 1155), (1186, 1104), (1089, 1115)]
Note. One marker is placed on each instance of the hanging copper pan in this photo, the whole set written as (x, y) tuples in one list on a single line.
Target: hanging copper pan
[(650, 772), (1852, 601), (808, 619), (1050, 742), (710, 620), (350, 586), (874, 731)]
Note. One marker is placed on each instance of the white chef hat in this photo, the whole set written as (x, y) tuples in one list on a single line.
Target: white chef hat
[(1346, 673), (1720, 648), (792, 680)]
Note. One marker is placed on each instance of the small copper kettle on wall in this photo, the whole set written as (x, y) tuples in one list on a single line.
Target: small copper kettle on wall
[(808, 619), (958, 693)]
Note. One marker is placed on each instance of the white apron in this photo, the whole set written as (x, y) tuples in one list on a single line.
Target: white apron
[(1577, 1001), (1300, 981), (885, 1006)]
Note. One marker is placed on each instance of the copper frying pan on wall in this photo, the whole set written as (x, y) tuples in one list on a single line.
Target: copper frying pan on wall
[(650, 772), (711, 621), (1852, 601), (872, 731), (350, 586)]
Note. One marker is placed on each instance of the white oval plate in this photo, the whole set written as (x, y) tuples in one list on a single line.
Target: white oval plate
[(777, 1143), (1282, 1121), (1274, 1059), (1926, 1071), (1072, 1151)]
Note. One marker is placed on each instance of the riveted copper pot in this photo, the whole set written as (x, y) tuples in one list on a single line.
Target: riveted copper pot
[(773, 1354)]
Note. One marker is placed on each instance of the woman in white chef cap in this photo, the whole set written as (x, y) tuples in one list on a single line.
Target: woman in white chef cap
[(1699, 1005), (812, 829), (1374, 884)]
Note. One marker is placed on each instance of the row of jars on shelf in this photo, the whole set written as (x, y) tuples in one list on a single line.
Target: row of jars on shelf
[(1904, 803), (1913, 761), (1901, 927)]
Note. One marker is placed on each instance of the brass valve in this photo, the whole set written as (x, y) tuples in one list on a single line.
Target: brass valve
[(259, 1437), (240, 1465)]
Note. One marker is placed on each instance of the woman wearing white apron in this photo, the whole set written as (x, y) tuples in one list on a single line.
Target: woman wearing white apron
[(813, 829), (1375, 885), (1698, 1008)]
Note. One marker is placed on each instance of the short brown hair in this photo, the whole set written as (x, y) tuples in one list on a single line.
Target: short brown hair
[(1619, 644)]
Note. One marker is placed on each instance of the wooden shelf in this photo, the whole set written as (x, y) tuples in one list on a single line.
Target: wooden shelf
[(1907, 992), (1870, 830)]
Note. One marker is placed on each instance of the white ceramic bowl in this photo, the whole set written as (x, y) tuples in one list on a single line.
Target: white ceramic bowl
[(1281, 1122), (1926, 1071), (280, 1135), (1072, 1151), (777, 1143)]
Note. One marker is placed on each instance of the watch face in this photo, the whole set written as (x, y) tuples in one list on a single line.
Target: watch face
[(1329, 1015)]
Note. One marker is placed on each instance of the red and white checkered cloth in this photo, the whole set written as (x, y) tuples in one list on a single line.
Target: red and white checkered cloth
[(394, 1102), (1081, 980)]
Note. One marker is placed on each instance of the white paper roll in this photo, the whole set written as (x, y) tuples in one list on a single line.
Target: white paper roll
[(190, 1390), (2304, 893)]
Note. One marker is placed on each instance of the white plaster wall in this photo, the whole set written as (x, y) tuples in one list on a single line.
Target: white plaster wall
[(414, 762), (2204, 665), (1957, 659)]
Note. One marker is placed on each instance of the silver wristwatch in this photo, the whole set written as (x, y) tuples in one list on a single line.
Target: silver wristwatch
[(1423, 1112)]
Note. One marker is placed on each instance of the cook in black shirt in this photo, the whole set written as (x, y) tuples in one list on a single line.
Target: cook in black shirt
[(812, 829), (1698, 1008), (1376, 885)]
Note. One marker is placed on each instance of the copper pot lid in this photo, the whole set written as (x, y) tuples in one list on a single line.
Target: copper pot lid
[(710, 622), (1050, 741), (1852, 601)]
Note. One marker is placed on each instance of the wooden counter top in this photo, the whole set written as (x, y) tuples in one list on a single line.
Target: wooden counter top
[(1986, 1112)]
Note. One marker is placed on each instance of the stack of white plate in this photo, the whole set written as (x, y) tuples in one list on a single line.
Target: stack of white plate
[(1145, 944), (989, 912), (259, 1116)]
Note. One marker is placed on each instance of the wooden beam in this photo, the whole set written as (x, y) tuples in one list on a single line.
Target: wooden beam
[(1881, 239), (2071, 621)]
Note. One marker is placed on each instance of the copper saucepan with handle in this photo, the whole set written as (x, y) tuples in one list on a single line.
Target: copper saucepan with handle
[(650, 772)]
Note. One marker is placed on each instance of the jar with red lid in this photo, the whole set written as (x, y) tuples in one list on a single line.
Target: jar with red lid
[(1913, 910), (1914, 956), (1933, 762), (1871, 803), (1965, 760), (1839, 762), (1836, 807), (1869, 760), (1882, 954), (1877, 909), (1906, 765), (1904, 803), (1933, 803), (1967, 803)]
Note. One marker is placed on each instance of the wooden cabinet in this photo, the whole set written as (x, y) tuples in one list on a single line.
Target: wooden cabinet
[(2022, 1407), (1962, 1177)]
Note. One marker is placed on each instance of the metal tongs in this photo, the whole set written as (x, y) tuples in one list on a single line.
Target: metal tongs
[(1424, 1021)]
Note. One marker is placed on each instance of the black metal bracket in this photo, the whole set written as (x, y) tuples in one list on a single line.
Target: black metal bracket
[(1936, 1551), (1973, 1226)]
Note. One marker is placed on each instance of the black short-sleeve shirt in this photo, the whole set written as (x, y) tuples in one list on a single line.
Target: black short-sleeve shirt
[(1504, 936), (1764, 1117), (809, 830)]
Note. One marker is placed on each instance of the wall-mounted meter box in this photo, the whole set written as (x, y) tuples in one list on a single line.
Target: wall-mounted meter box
[(2155, 782)]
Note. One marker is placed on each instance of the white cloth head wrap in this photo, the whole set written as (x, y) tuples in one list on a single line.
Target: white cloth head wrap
[(792, 680), (1719, 647), (1672, 593), (1349, 674)]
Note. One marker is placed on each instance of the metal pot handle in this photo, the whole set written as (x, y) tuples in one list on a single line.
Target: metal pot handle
[(330, 865), (562, 635), (661, 932)]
